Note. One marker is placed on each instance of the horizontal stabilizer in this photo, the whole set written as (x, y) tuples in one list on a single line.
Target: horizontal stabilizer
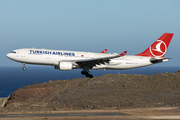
[(158, 60)]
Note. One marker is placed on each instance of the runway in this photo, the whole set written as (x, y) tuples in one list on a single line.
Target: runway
[(61, 114), (113, 114)]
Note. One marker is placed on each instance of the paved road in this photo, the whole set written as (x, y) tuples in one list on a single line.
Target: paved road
[(61, 114)]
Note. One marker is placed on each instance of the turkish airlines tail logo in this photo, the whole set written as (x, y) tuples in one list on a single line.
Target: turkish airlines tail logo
[(159, 47)]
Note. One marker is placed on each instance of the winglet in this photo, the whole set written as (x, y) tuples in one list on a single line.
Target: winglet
[(123, 54), (104, 51)]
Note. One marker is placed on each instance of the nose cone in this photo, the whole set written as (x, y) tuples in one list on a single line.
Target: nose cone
[(8, 55)]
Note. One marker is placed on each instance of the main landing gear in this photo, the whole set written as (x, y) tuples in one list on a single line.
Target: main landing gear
[(86, 73), (24, 68)]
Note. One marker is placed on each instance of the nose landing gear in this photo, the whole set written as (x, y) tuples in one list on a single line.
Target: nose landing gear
[(86, 73), (24, 68)]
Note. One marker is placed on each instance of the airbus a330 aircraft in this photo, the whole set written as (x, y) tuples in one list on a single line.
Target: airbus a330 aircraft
[(68, 60)]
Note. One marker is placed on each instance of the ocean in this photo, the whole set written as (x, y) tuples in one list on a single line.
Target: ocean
[(12, 78)]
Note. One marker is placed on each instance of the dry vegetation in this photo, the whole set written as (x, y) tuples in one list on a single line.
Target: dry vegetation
[(119, 90)]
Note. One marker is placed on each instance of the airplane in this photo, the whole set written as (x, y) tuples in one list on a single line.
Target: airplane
[(68, 60)]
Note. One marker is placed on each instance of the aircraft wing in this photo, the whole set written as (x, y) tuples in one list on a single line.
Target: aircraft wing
[(95, 59)]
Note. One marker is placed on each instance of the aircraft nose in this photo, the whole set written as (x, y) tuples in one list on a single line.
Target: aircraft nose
[(8, 55)]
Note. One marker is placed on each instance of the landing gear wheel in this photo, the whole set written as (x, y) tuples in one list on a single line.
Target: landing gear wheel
[(90, 76), (86, 73), (83, 72), (24, 68)]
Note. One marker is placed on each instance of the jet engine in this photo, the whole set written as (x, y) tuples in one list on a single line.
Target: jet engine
[(65, 66)]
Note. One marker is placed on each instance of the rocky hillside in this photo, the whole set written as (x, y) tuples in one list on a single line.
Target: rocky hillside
[(111, 90)]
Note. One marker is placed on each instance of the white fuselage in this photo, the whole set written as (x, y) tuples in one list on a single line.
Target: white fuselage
[(54, 57), (68, 60)]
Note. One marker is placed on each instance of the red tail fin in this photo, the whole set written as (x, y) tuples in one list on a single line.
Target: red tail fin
[(104, 51), (159, 47)]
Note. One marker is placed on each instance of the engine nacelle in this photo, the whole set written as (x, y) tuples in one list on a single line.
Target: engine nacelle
[(65, 66)]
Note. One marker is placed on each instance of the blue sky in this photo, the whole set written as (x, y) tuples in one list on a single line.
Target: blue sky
[(88, 25)]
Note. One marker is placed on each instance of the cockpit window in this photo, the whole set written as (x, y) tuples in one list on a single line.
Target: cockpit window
[(13, 51)]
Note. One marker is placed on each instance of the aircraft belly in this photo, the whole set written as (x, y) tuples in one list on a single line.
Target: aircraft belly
[(121, 65), (38, 59)]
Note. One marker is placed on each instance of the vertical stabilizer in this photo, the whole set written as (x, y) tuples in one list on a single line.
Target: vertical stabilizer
[(159, 47)]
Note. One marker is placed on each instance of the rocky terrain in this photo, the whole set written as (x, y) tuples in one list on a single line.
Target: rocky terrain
[(107, 91)]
